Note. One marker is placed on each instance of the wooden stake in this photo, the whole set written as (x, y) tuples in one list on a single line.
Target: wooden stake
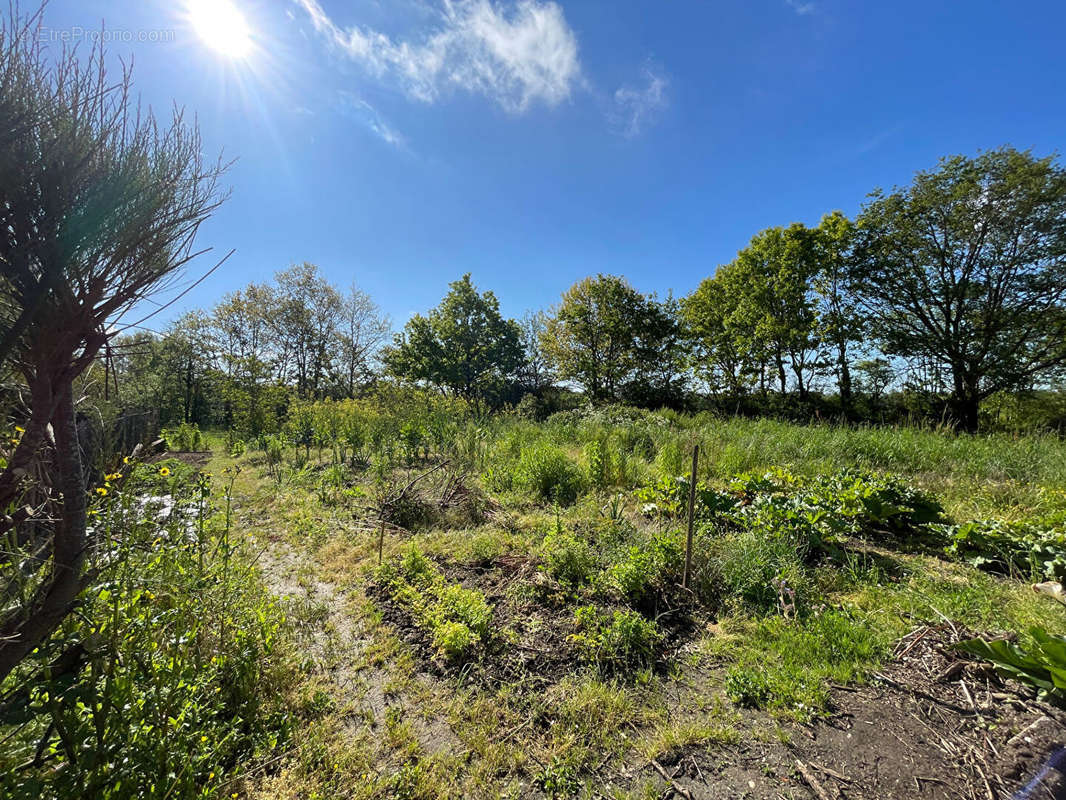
[(691, 511), (381, 540)]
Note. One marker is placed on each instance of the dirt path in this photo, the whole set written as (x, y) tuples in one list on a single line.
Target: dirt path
[(338, 642)]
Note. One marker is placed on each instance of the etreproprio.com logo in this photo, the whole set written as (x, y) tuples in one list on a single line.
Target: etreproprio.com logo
[(106, 36)]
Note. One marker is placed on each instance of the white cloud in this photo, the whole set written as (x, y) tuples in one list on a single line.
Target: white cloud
[(800, 7), (359, 109), (635, 107), (515, 56)]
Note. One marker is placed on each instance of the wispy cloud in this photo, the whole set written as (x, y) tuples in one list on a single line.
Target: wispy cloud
[(360, 110), (636, 107), (801, 7), (515, 55), (878, 139)]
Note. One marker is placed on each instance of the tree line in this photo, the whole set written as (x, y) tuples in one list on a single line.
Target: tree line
[(950, 289)]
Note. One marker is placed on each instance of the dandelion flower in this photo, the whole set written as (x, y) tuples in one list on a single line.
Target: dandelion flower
[(164, 471), (101, 491)]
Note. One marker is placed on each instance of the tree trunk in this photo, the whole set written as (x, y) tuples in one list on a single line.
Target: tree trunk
[(967, 411), (801, 386), (844, 377), (26, 628), (965, 401)]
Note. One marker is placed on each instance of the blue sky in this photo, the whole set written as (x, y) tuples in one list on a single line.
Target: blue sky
[(401, 143)]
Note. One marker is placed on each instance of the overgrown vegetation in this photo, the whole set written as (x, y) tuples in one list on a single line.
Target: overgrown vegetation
[(171, 679), (506, 580), (815, 549)]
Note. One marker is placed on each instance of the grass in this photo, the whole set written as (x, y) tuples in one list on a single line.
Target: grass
[(561, 559)]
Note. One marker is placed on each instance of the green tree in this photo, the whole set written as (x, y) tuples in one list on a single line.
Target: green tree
[(717, 354), (362, 330), (840, 324), (462, 346), (967, 269), (535, 374), (875, 376), (304, 315), (186, 359), (659, 375), (769, 288), (593, 335)]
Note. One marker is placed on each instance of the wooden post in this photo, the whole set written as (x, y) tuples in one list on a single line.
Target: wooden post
[(691, 511), (381, 540)]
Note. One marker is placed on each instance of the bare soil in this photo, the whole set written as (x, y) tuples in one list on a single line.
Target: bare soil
[(930, 725)]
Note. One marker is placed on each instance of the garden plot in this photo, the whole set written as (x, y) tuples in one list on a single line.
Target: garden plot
[(541, 619)]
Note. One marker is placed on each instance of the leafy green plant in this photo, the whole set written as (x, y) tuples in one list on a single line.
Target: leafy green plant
[(558, 779), (1041, 664), (568, 559), (746, 687), (173, 672), (648, 573), (615, 641), (867, 499), (669, 497), (184, 438), (456, 618), (1019, 548)]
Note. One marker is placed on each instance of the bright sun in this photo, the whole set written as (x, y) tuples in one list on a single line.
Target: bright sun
[(221, 26)]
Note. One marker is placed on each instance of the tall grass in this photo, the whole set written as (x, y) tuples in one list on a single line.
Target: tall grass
[(1003, 475)]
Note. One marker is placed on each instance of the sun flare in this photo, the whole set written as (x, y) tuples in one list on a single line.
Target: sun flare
[(221, 26)]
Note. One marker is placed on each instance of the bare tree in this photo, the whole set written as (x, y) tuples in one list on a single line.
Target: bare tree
[(303, 318), (361, 333), (99, 207), (536, 373)]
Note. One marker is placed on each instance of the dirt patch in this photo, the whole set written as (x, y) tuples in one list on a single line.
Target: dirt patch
[(532, 625), (930, 725)]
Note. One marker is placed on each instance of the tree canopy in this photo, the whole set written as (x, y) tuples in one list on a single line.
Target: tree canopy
[(612, 340), (966, 267), (463, 346)]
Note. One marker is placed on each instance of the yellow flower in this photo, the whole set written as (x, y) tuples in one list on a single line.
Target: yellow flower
[(126, 460), (101, 491), (164, 471), (19, 430), (211, 776), (204, 739)]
